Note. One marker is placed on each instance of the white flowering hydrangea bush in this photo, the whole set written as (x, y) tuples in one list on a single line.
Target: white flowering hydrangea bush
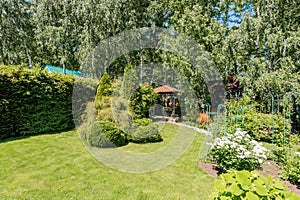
[(237, 151)]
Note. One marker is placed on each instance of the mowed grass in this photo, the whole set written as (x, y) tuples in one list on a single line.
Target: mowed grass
[(58, 166), (167, 131)]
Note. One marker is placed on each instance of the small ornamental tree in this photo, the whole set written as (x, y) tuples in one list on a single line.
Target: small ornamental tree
[(104, 87), (130, 82), (142, 100)]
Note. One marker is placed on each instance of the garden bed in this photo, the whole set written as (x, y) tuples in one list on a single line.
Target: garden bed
[(270, 168)]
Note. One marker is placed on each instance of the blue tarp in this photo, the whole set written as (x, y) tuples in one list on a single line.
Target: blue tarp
[(54, 69)]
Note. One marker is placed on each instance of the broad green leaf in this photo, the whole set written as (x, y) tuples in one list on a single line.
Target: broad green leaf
[(220, 185), (235, 189), (214, 195), (243, 180), (224, 198), (279, 185), (228, 177), (251, 196), (261, 190)]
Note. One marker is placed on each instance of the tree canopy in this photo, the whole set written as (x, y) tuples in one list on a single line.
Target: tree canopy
[(257, 40)]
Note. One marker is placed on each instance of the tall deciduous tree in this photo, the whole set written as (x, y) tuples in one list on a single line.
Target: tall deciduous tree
[(56, 31), (16, 45), (265, 44)]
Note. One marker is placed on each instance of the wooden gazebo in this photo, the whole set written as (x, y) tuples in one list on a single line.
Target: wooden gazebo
[(168, 99)]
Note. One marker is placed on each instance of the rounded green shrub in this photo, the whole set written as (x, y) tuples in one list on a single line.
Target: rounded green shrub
[(144, 134), (143, 121), (105, 134), (250, 186)]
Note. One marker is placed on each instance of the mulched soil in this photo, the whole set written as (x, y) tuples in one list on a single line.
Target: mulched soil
[(269, 168)]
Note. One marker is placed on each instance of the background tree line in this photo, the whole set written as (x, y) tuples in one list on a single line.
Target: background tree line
[(258, 40)]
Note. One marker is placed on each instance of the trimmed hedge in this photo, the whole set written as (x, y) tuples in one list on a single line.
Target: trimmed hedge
[(34, 102)]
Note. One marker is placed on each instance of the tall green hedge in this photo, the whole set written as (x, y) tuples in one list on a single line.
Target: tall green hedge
[(34, 102)]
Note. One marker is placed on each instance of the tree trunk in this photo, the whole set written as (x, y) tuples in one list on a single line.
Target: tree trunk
[(64, 68), (141, 67), (28, 55)]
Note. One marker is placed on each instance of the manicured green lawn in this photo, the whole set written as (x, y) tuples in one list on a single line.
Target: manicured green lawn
[(59, 167)]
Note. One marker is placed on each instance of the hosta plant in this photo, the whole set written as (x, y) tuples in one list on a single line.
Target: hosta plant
[(250, 186), (237, 151)]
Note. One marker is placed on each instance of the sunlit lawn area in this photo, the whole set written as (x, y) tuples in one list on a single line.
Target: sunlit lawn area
[(58, 166)]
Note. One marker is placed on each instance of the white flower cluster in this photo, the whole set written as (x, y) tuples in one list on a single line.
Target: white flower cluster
[(240, 142)]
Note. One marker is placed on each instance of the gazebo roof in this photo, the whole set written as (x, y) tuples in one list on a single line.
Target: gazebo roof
[(166, 89)]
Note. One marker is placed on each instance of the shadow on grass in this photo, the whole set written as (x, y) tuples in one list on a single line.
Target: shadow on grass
[(10, 139)]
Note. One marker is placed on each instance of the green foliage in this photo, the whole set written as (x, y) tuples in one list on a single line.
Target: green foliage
[(262, 49), (17, 33), (251, 186), (143, 121), (130, 82), (102, 102), (237, 151), (145, 134), (280, 155), (34, 102), (259, 126), (278, 82), (105, 86), (105, 115), (142, 100), (292, 169), (103, 99), (105, 134), (56, 32), (82, 98)]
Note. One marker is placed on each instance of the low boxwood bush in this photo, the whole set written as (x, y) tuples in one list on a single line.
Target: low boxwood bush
[(250, 186), (143, 121), (105, 134), (237, 151), (144, 134)]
